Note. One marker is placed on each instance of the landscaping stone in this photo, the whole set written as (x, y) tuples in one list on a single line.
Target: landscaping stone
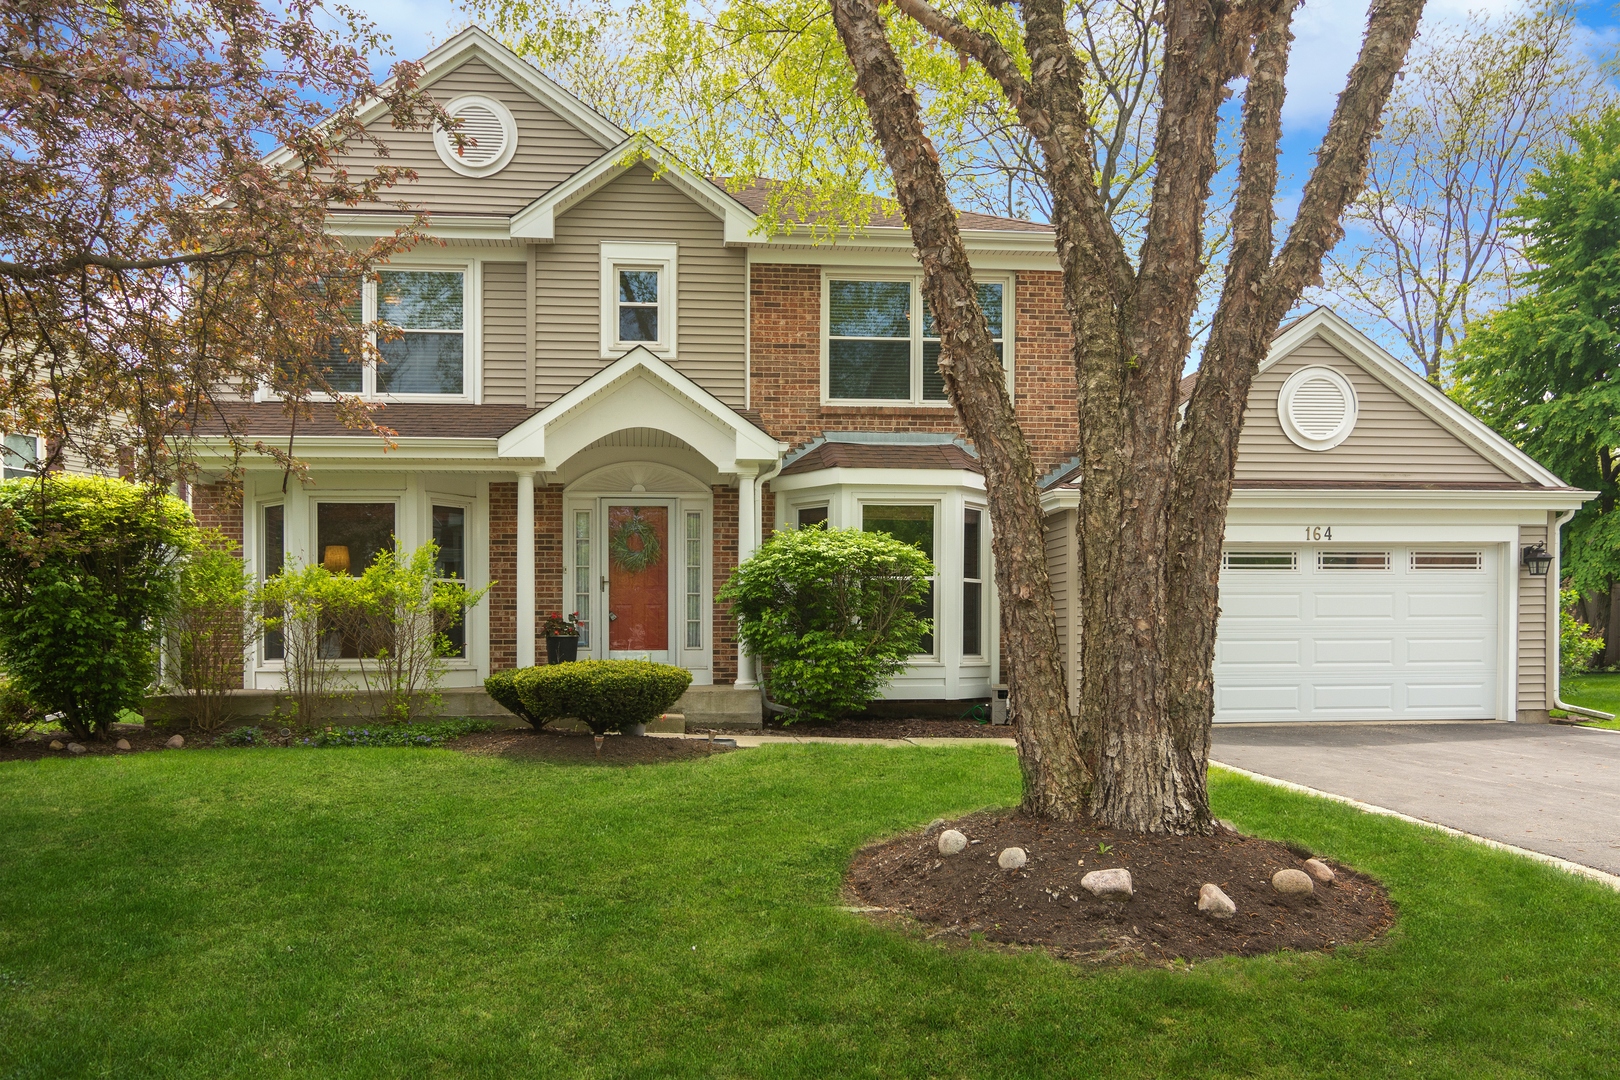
[(932, 825), (1293, 883), (1319, 870), (1112, 884), (76, 748), (951, 842), (56, 744), (1215, 903), (122, 744), (1012, 858), (175, 742)]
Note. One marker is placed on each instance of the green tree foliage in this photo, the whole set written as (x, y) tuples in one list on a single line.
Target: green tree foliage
[(832, 614), (605, 695), (1544, 371), (89, 568), (1577, 648), (210, 629)]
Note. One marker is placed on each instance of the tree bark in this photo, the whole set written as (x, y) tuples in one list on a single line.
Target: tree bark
[(1155, 484), (1611, 637), (1057, 778)]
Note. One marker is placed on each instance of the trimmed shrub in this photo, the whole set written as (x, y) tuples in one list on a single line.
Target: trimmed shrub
[(502, 686), (88, 572), (832, 615), (605, 695), (1577, 648)]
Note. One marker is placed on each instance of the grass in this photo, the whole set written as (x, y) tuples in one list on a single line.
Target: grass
[(386, 913), (1599, 690)]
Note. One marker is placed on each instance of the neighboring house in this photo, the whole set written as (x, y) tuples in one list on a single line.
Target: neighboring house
[(612, 386)]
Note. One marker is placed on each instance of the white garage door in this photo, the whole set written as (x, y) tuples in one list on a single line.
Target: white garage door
[(1364, 633)]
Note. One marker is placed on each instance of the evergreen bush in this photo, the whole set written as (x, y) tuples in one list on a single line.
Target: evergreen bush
[(605, 695), (832, 615), (502, 686), (89, 569)]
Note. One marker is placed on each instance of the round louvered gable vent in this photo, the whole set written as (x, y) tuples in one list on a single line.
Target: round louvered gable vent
[(1317, 408), (488, 133)]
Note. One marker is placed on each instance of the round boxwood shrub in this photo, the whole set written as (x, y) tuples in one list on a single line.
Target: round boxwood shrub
[(502, 686), (606, 695)]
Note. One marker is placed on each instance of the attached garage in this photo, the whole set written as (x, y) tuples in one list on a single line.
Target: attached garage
[(1359, 632), (1375, 563)]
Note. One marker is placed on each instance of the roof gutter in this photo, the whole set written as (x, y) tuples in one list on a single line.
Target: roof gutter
[(1557, 667)]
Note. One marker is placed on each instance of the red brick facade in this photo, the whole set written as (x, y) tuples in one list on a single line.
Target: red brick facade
[(219, 506), (724, 562), (785, 345), (548, 567)]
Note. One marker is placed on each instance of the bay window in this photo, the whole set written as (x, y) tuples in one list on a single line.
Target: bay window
[(913, 524)]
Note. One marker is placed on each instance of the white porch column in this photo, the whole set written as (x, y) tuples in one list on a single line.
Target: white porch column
[(525, 568), (747, 544)]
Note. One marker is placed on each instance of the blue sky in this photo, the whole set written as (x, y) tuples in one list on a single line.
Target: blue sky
[(1327, 33)]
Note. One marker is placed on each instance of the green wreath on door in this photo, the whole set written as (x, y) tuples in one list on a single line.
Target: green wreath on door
[(630, 559)]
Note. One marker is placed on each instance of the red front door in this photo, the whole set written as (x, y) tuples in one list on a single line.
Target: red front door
[(638, 581)]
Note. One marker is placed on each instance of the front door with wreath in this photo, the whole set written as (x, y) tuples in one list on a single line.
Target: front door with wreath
[(638, 580)]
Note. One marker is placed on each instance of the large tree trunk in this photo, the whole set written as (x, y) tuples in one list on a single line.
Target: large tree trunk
[(1154, 484), (1056, 777)]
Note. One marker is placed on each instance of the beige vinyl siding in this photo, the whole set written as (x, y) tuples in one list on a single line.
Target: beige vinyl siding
[(1062, 566), (549, 149), (1392, 440), (1532, 625), (506, 333), (710, 288)]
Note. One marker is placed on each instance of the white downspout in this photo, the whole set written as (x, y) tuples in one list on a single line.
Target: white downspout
[(1558, 612), (747, 543)]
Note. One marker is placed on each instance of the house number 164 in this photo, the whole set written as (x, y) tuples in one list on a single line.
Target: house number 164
[(1318, 532)]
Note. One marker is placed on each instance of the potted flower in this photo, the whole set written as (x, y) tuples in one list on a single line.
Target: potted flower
[(562, 637)]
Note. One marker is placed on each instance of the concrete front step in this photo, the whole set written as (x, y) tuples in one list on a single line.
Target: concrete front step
[(721, 707)]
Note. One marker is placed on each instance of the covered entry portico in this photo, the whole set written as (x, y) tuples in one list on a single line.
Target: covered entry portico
[(659, 487)]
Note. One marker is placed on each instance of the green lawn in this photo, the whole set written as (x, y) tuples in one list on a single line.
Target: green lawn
[(1599, 691), (393, 913)]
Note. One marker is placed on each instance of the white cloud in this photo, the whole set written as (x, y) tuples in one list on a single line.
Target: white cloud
[(1328, 35)]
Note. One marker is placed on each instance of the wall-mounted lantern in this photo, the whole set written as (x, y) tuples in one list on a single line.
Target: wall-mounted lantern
[(1537, 560)]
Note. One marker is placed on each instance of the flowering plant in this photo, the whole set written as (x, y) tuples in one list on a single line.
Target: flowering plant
[(559, 625)]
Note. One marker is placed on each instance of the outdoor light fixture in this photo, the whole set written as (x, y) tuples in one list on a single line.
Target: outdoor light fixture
[(1536, 559)]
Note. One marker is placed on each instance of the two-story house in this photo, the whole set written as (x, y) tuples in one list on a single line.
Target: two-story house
[(612, 385)]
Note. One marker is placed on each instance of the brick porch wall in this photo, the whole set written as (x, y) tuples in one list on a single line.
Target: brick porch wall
[(219, 506), (725, 561), (548, 567)]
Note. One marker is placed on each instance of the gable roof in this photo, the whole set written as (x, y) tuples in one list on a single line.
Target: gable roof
[(538, 220), (477, 42), (1418, 392)]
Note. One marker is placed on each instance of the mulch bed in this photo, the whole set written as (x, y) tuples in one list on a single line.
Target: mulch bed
[(576, 747), (140, 739), (968, 897), (894, 729)]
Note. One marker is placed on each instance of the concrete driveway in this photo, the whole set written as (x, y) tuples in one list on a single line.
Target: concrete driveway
[(1547, 788)]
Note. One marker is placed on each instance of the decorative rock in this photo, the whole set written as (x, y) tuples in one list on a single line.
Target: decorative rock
[(122, 744), (936, 823), (1108, 884), (951, 842), (76, 748), (56, 744), (1215, 903), (1012, 858), (175, 742), (1293, 883), (1319, 870)]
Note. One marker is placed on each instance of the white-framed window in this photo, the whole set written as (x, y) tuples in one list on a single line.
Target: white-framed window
[(581, 537), (973, 559), (1259, 560), (1352, 560), (806, 516), (1448, 560), (21, 454), (693, 572), (913, 523), (639, 298), (876, 351), (431, 357), (450, 537), (489, 136), (272, 560)]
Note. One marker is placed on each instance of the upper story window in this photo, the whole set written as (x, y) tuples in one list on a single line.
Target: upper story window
[(428, 357), (638, 298), (878, 353)]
